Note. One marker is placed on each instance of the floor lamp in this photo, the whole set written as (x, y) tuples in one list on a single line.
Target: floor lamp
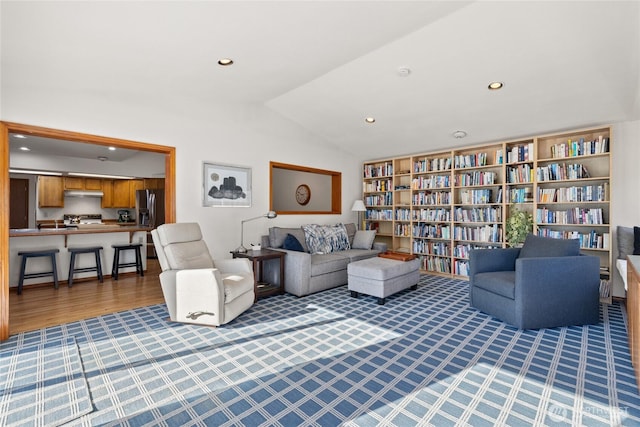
[(241, 248), (358, 206)]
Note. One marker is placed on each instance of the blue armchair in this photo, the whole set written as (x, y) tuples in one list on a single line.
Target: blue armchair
[(544, 284)]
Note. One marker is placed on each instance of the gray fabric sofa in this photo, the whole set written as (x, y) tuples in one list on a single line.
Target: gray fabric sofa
[(307, 273), (544, 284)]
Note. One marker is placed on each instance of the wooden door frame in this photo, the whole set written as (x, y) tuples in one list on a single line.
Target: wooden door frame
[(5, 129)]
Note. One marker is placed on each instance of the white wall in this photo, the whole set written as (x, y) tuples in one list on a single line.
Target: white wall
[(237, 135), (625, 185), (252, 135)]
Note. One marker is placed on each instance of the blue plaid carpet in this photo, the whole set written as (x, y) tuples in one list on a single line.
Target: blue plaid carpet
[(423, 358), (42, 384)]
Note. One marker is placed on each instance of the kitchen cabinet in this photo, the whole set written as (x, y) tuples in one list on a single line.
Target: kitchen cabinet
[(107, 197), (92, 184), (73, 183), (124, 192), (79, 183), (153, 183), (121, 193), (50, 192), (134, 185)]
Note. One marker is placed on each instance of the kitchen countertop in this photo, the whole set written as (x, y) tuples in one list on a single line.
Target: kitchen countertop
[(96, 228)]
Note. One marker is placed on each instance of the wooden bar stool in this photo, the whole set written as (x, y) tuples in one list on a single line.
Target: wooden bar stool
[(87, 250), (116, 259), (51, 253)]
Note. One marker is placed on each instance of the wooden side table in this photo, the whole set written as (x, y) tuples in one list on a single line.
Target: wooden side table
[(262, 288)]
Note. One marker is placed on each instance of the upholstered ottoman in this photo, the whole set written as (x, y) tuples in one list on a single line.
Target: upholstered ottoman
[(381, 277)]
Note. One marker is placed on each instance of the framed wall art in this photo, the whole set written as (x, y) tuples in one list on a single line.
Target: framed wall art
[(226, 185)]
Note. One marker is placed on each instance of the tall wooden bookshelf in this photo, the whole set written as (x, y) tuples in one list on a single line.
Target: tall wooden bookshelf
[(440, 205)]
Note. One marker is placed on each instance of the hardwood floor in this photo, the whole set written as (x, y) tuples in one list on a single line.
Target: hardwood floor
[(44, 306)]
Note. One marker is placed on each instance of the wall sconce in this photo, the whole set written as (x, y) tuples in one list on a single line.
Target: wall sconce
[(241, 248), (358, 206)]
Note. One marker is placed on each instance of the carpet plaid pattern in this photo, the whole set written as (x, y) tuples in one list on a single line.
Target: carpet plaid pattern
[(423, 358), (42, 384)]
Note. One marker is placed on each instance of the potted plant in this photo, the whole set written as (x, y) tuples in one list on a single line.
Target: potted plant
[(518, 225)]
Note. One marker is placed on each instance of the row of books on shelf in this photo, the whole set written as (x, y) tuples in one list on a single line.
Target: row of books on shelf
[(484, 233), (437, 214), (443, 249), (469, 160), (436, 264), (561, 171), (605, 288), (517, 153), (431, 248), (520, 195), (402, 230), (432, 198), (585, 193), (373, 171), (475, 178), (385, 199), (486, 214), (477, 196), (590, 240), (432, 231), (461, 267), (462, 250), (403, 214), (520, 174), (580, 147), (377, 185), (433, 181), (575, 216), (429, 165), (379, 214)]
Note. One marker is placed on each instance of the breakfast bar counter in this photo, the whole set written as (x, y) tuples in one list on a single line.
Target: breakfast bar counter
[(103, 235)]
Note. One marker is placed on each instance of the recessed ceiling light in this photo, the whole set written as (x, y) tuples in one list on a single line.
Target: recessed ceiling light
[(459, 134), (225, 62), (495, 85), (17, 135), (112, 148), (25, 148), (370, 120), (103, 158), (404, 71)]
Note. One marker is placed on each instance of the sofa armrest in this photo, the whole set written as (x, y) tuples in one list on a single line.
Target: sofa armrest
[(380, 246), (297, 272), (557, 288), (501, 259)]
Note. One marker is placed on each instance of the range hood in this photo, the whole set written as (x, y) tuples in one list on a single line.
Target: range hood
[(83, 193)]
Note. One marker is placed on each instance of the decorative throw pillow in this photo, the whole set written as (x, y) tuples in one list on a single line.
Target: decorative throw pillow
[(363, 239), (536, 246), (636, 240), (323, 239), (292, 244)]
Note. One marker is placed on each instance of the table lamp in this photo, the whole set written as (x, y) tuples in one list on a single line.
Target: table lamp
[(241, 248)]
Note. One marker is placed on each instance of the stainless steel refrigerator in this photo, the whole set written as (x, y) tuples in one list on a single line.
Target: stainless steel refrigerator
[(150, 212)]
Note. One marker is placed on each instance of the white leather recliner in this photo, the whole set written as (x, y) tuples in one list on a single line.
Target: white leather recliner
[(196, 289)]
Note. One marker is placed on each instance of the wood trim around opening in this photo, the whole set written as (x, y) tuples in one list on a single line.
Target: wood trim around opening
[(7, 128), (336, 188)]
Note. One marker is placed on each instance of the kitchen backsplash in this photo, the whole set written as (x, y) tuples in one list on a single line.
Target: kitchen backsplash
[(78, 205)]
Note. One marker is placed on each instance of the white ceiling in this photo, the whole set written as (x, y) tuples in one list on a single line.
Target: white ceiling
[(327, 65)]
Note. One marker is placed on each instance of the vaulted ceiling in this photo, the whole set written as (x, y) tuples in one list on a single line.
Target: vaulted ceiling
[(326, 65)]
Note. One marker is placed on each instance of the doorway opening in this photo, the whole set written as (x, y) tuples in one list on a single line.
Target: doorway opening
[(6, 128)]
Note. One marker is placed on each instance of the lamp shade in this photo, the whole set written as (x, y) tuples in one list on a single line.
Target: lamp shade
[(358, 206)]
